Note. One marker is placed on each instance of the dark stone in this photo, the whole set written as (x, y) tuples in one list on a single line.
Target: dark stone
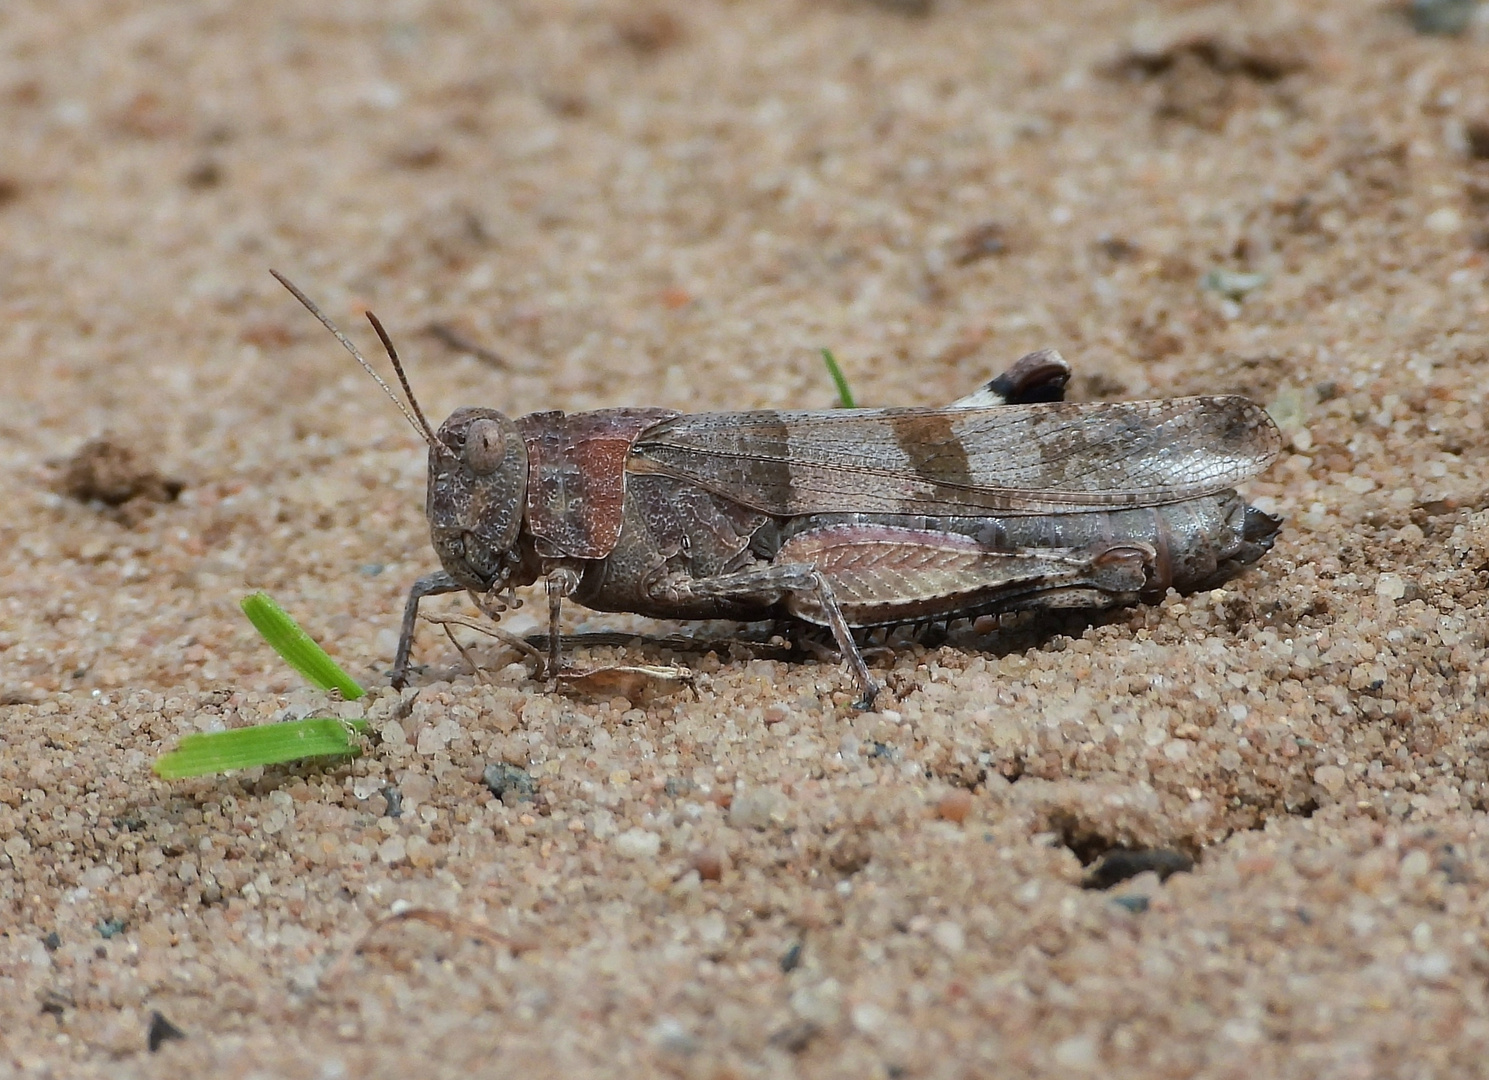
[(503, 779), (160, 1031), (108, 928), (1120, 864)]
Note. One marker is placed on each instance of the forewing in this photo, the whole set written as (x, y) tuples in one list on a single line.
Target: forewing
[(1010, 459)]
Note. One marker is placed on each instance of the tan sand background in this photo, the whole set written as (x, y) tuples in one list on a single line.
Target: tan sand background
[(678, 204)]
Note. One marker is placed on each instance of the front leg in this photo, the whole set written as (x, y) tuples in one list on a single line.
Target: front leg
[(562, 579), (431, 585), (771, 581)]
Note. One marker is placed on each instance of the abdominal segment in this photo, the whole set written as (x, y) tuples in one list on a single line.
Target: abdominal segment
[(880, 574), (894, 568)]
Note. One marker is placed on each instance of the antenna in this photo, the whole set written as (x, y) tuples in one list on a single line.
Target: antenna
[(382, 335), (416, 417)]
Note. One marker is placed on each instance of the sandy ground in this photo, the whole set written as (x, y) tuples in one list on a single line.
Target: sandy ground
[(677, 205)]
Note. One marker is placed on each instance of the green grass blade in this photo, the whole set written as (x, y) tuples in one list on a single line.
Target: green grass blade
[(845, 396), (297, 647), (266, 744)]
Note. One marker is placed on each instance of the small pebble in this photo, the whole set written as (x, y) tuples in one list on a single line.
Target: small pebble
[(1390, 586), (1444, 221), (868, 1018), (821, 1004), (669, 1035), (1445, 17), (1414, 865), (502, 778), (1078, 1054), (955, 805), (1330, 777), (1120, 864), (757, 808), (1432, 967), (638, 844), (949, 937), (1231, 284), (709, 863), (160, 1031)]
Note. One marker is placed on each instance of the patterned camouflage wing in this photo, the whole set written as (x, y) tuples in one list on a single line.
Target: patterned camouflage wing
[(1007, 459)]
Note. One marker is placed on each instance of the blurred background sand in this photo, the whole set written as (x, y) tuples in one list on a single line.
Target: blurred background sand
[(674, 204)]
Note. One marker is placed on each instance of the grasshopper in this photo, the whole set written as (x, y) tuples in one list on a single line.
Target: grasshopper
[(1008, 499)]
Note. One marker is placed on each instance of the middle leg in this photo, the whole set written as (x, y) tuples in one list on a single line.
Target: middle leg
[(771, 582)]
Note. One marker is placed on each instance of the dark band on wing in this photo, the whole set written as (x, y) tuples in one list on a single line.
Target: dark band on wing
[(1014, 459), (766, 462), (933, 449)]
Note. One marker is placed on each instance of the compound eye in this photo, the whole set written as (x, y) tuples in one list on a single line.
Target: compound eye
[(485, 447)]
